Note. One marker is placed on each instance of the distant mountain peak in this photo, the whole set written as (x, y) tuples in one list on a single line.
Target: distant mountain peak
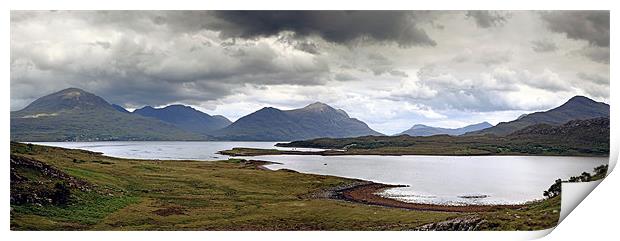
[(424, 130), (179, 106), (73, 115), (312, 121), (66, 100), (185, 117), (417, 126), (71, 89), (148, 107), (576, 108), (120, 108), (579, 98), (71, 93), (579, 101), (269, 109), (317, 106)]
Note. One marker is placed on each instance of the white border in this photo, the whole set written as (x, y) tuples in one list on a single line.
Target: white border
[(600, 202)]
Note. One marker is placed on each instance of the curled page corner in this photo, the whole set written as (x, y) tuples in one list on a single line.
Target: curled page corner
[(539, 234), (574, 193)]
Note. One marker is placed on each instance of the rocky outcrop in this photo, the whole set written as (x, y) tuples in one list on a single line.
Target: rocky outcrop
[(458, 224), (34, 182)]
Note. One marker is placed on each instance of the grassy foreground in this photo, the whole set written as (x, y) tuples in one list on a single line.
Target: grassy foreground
[(107, 193)]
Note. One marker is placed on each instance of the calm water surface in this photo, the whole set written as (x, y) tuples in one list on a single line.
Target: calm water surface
[(167, 150), (448, 180)]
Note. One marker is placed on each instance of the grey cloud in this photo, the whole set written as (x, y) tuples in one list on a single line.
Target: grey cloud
[(398, 73), (308, 47), (595, 78), (487, 57), (102, 44), (379, 64), (591, 26), (547, 80), (596, 54), (457, 93), (305, 45), (130, 69), (596, 91), (334, 26), (495, 57), (344, 77), (136, 58), (595, 85), (487, 19), (542, 46), (486, 91)]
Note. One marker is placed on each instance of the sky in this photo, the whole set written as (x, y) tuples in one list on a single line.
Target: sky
[(390, 69)]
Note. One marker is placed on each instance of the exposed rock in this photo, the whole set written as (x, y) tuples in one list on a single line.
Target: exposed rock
[(458, 224), (38, 183)]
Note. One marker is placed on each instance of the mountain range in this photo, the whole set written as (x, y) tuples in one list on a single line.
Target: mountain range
[(576, 108), (424, 130), (186, 118), (313, 121), (76, 115)]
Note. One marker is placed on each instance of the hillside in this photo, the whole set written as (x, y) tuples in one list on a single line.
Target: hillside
[(76, 115), (186, 118), (313, 121), (577, 108), (424, 130), (578, 137), (591, 132), (120, 108)]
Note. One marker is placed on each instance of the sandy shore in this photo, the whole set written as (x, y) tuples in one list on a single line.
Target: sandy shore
[(365, 193)]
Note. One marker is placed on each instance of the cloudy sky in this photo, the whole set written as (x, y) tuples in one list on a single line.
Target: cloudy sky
[(389, 69)]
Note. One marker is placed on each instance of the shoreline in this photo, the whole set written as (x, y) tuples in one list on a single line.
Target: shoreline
[(254, 152), (158, 190), (365, 193)]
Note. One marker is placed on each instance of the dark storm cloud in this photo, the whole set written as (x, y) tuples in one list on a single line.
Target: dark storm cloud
[(591, 26), (149, 54), (233, 63), (334, 26), (308, 47), (487, 19), (542, 46)]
